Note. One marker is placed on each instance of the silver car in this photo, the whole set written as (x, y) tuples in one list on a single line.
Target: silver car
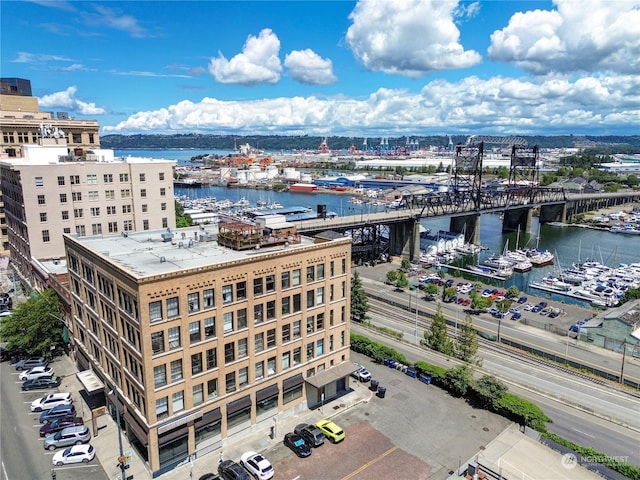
[(69, 436)]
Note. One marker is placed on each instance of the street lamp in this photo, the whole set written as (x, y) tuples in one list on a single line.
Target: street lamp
[(121, 458), (416, 330)]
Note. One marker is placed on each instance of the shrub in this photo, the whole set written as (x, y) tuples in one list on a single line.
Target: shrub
[(435, 372), (523, 411)]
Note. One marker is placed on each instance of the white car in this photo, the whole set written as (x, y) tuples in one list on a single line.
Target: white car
[(50, 401), (362, 374), (36, 372), (75, 454), (258, 466)]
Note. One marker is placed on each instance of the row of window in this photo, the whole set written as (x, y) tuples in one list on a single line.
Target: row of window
[(96, 211), (94, 196), (34, 137), (96, 228), (92, 179)]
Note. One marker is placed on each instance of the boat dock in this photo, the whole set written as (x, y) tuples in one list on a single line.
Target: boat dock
[(473, 272)]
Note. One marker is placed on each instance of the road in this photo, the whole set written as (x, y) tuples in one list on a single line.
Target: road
[(538, 385), (21, 452)]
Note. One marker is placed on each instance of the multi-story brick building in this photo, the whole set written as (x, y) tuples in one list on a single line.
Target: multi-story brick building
[(210, 333), (48, 193)]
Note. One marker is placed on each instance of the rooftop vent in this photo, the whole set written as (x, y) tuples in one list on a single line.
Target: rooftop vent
[(163, 259), (56, 260)]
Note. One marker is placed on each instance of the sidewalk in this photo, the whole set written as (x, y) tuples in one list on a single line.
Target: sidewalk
[(107, 447)]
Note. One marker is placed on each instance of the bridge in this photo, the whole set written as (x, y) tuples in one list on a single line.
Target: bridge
[(397, 232)]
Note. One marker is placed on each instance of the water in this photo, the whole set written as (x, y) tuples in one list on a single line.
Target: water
[(181, 155)]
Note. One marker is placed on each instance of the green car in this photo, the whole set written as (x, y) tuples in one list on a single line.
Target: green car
[(332, 431)]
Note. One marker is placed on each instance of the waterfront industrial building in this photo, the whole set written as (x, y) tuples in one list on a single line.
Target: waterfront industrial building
[(210, 332)]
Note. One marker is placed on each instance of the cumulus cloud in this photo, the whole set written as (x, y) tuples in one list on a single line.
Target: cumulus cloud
[(257, 63), (591, 36), (306, 66), (499, 105), (410, 38), (68, 101)]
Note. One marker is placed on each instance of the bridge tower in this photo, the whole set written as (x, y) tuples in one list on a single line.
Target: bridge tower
[(524, 171), (467, 173)]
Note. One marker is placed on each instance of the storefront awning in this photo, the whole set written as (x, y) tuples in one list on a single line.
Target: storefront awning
[(90, 381), (137, 430), (325, 377)]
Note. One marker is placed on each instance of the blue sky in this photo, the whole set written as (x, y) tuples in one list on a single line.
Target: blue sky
[(353, 68)]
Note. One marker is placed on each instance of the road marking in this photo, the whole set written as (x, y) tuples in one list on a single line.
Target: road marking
[(368, 464), (583, 433), (4, 470)]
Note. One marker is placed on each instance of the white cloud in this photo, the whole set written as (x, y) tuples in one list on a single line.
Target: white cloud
[(258, 62), (472, 105), (112, 18), (33, 58), (67, 100), (306, 66), (411, 37), (590, 35)]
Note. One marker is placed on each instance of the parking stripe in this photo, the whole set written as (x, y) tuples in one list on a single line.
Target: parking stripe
[(371, 462)]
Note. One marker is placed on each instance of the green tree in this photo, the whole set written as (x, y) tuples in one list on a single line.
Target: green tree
[(503, 305), (448, 294), (359, 304), (402, 280), (431, 290), (405, 265), (392, 276), (489, 391), (466, 345), (632, 180), (182, 219), (437, 337), (479, 302), (458, 379), (512, 292), (35, 326)]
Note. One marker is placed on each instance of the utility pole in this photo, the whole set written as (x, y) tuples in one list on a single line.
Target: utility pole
[(624, 354), (121, 458)]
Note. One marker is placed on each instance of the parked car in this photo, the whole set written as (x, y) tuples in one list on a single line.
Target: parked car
[(574, 328), (361, 374), (528, 307), (536, 308), (29, 363), (554, 314), (36, 372), (230, 470), (67, 436), (75, 454), (258, 466), (57, 412), (522, 300), (209, 476), (297, 444), (311, 434), (50, 401), (42, 383), (516, 316), (60, 424), (332, 431)]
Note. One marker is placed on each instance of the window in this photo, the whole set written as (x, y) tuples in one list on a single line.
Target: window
[(331, 293), (259, 370), (77, 137), (162, 407), (174, 338), (196, 363), (165, 222), (309, 351), (173, 309), (110, 195), (198, 394), (258, 313), (178, 401), (194, 332), (43, 216), (96, 228), (80, 230), (163, 192), (161, 176), (286, 332), (286, 306), (271, 283), (296, 278), (41, 200), (310, 298), (229, 352), (271, 310), (208, 298), (142, 177), (126, 208), (320, 271), (344, 265), (157, 342), (228, 322), (285, 280), (143, 192), (145, 224), (230, 382), (227, 294), (320, 321), (210, 327), (163, 206), (320, 347), (78, 212), (74, 179), (94, 196), (241, 291), (66, 230), (125, 193), (257, 286), (39, 182), (95, 211), (271, 366), (271, 338), (212, 388), (310, 325), (124, 177), (127, 225), (92, 179), (107, 178), (194, 301), (45, 236), (258, 342), (331, 343), (113, 227), (296, 303), (63, 198), (320, 296), (145, 208), (286, 360), (65, 214), (297, 356), (61, 181), (76, 196), (242, 348), (160, 375), (176, 370), (311, 274), (212, 359), (296, 329), (243, 377)]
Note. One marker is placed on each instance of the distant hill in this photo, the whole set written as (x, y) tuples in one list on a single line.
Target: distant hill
[(611, 143)]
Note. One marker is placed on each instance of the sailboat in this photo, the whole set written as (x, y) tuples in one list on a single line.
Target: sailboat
[(537, 257)]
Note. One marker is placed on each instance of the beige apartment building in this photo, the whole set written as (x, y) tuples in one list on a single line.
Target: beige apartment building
[(48, 193), (210, 332)]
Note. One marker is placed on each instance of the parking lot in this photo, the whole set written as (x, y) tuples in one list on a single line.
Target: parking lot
[(417, 431)]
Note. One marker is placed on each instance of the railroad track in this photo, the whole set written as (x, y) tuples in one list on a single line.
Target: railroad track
[(398, 314)]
